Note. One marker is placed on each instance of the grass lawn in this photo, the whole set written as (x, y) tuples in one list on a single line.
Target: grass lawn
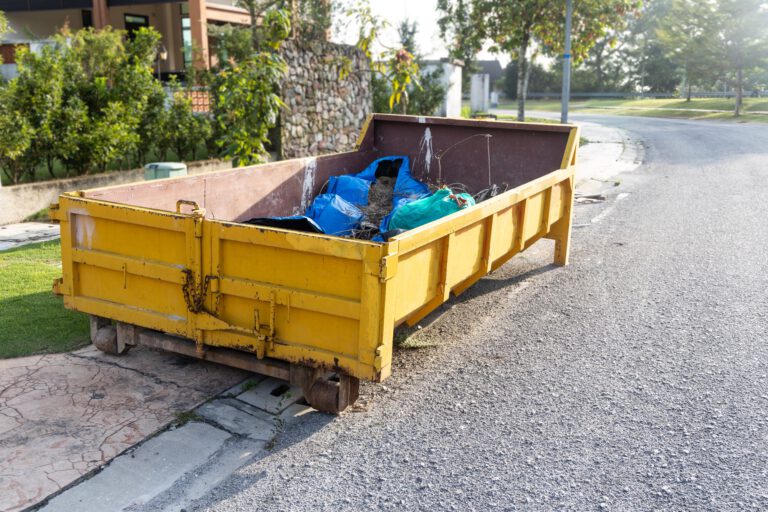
[(657, 108), (32, 319)]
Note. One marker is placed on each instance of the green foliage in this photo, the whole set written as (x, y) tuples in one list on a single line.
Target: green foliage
[(16, 134), (425, 91), (397, 65), (182, 128), (517, 27), (246, 106), (687, 34), (3, 24), (541, 80), (458, 28), (244, 89), (407, 31), (90, 101), (428, 98), (380, 92), (312, 19)]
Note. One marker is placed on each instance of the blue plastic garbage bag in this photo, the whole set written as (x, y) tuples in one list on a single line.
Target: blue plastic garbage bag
[(350, 188), (334, 215)]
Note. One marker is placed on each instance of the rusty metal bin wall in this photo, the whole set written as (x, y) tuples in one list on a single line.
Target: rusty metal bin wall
[(316, 300)]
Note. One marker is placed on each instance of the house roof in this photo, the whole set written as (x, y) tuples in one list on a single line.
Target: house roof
[(43, 5), (490, 67)]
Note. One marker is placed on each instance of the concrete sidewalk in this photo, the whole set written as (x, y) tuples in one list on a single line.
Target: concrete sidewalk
[(16, 235), (64, 415), (607, 153)]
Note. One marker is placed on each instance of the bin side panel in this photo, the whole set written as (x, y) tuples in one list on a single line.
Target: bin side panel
[(534, 216), (272, 189), (125, 264), (466, 253), (467, 245), (418, 276), (300, 296)]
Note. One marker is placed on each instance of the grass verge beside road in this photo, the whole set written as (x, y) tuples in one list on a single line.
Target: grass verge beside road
[(32, 319), (672, 108)]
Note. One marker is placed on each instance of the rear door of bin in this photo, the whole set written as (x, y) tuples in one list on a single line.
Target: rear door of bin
[(126, 263)]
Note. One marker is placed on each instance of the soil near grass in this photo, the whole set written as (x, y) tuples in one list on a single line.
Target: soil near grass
[(32, 319)]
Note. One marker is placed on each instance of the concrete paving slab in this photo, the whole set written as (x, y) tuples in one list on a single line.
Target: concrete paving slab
[(248, 383), (16, 235), (239, 418), (64, 415), (135, 478), (236, 453), (297, 412), (272, 395)]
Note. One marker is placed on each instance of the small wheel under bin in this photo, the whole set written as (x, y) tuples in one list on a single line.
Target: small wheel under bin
[(104, 336)]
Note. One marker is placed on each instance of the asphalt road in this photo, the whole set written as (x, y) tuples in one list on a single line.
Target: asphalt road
[(634, 379)]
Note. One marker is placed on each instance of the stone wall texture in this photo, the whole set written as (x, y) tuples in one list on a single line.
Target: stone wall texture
[(325, 113)]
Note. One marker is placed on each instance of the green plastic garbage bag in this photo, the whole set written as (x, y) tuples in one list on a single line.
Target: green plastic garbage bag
[(417, 213)]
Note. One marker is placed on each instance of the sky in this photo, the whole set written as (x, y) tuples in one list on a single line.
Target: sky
[(422, 11)]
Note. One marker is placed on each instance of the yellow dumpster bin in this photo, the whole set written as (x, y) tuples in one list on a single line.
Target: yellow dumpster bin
[(170, 264)]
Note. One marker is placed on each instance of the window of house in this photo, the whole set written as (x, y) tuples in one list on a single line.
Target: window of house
[(87, 18), (186, 39), (134, 22)]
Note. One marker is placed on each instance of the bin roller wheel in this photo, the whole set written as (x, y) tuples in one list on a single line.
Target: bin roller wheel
[(104, 337), (331, 395)]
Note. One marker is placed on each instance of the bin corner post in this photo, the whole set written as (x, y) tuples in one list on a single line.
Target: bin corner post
[(561, 230), (377, 317)]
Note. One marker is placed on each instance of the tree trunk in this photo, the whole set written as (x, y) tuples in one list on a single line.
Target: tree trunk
[(739, 90), (49, 164), (521, 71), (254, 26), (688, 95), (527, 78)]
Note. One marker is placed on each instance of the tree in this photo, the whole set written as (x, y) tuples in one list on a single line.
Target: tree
[(743, 39), (17, 135), (525, 25), (3, 23), (459, 29), (39, 93), (245, 100), (688, 33), (397, 65), (426, 97), (312, 19), (646, 64)]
